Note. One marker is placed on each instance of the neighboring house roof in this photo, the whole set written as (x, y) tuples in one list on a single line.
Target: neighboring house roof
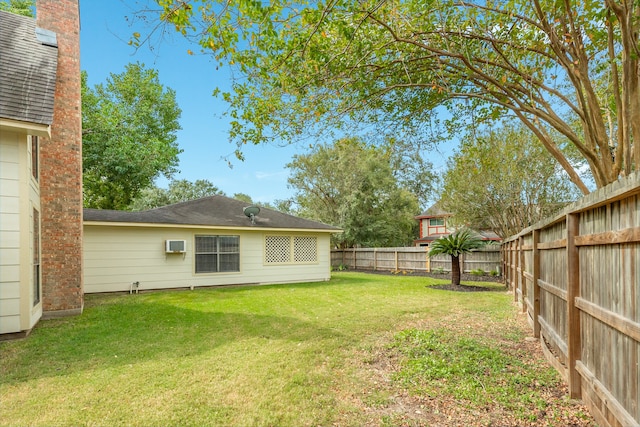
[(488, 235), (434, 211), (28, 64), (217, 211), (483, 234), (428, 239)]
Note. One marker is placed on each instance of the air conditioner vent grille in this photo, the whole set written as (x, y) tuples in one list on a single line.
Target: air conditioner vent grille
[(176, 246)]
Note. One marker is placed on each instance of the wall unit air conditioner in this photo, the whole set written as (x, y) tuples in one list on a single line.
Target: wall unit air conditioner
[(176, 246)]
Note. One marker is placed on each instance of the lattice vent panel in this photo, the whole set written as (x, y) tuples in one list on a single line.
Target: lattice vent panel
[(277, 249), (305, 249)]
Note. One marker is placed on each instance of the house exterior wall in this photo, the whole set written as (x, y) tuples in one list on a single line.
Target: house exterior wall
[(117, 256), (427, 230), (19, 196)]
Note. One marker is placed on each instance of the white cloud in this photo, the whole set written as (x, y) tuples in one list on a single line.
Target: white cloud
[(272, 176)]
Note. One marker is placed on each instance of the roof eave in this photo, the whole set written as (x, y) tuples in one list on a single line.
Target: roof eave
[(200, 226), (26, 128)]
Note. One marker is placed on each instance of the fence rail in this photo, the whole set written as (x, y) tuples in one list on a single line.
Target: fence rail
[(577, 277), (487, 259)]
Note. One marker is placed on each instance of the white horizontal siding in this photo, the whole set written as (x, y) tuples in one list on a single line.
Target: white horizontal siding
[(9, 239), (9, 205), (9, 300), (114, 257), (9, 222), (10, 307), (8, 170), (9, 256), (10, 324), (9, 233), (9, 187), (10, 147), (9, 276)]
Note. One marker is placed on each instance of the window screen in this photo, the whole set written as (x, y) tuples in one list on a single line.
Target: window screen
[(216, 254), (433, 222), (35, 157), (36, 257)]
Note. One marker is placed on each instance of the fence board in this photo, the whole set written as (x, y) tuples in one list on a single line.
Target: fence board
[(415, 259), (584, 264)]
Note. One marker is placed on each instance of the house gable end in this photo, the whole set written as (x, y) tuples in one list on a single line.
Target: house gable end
[(29, 66)]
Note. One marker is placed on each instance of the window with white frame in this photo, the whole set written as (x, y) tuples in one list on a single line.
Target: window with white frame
[(290, 249), (36, 257), (217, 254), (35, 157), (435, 222)]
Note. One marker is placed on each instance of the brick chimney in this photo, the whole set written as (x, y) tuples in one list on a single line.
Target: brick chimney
[(61, 168)]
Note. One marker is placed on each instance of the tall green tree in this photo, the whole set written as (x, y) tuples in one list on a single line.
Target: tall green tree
[(278, 205), (504, 180), (129, 132), (243, 197), (570, 68), (352, 185), (180, 190), (19, 7)]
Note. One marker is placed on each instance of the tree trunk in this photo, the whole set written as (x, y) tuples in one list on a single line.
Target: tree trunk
[(455, 270)]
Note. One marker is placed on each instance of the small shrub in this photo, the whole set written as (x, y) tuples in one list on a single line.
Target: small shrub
[(439, 270), (478, 272), (341, 267), (494, 273)]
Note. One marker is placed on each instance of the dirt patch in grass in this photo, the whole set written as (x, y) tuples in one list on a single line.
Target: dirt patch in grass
[(464, 288), (473, 372)]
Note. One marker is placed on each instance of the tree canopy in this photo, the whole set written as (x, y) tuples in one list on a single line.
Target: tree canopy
[(484, 193), (129, 127), (19, 7), (569, 71), (180, 190), (352, 185)]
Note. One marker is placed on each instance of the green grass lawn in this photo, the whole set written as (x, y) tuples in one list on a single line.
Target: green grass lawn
[(302, 354)]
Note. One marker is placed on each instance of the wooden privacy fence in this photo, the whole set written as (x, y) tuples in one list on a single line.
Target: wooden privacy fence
[(487, 259), (577, 276)]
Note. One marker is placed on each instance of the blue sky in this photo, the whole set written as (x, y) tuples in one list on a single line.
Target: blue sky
[(104, 34)]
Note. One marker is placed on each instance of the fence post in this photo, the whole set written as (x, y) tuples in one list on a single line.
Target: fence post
[(395, 257), (355, 262), (536, 286), (375, 259), (514, 268), (521, 279), (512, 251), (508, 266), (503, 261), (573, 314), (427, 260)]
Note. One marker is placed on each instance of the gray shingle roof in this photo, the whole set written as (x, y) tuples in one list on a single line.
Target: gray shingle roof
[(27, 70), (434, 210), (209, 211)]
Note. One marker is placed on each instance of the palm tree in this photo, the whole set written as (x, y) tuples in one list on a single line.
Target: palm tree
[(456, 244)]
